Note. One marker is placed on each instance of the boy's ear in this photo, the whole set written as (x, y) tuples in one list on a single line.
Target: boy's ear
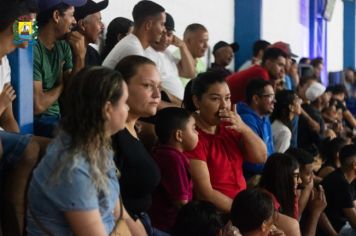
[(178, 135)]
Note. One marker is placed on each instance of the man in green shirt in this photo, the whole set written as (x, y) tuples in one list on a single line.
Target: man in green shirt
[(53, 60), (196, 38)]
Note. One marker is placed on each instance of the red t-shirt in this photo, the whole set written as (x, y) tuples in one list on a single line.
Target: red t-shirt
[(224, 159), (176, 185), (277, 205), (238, 81)]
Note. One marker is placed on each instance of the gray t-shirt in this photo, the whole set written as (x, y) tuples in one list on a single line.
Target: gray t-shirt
[(73, 191)]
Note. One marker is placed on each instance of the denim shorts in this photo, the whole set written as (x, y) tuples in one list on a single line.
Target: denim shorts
[(13, 145)]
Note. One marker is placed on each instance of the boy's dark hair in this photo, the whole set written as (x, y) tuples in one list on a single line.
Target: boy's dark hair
[(12, 9), (338, 89), (198, 218), (255, 87), (303, 157), (199, 86), (250, 208), (273, 54), (347, 155), (44, 17), (168, 120), (330, 149), (259, 45), (144, 9)]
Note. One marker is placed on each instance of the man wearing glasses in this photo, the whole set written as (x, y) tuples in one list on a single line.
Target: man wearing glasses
[(255, 112)]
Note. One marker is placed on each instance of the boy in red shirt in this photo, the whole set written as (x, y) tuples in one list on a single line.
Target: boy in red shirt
[(175, 128)]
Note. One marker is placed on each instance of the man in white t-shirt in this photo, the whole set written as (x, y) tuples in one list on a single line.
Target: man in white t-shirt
[(171, 68), (149, 19)]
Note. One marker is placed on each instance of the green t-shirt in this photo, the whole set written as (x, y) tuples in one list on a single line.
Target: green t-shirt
[(47, 66), (200, 67)]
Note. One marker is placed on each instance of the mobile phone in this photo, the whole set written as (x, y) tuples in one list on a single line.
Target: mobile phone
[(25, 29)]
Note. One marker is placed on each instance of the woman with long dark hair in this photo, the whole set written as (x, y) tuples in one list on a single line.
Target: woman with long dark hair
[(280, 178), (287, 106), (225, 141)]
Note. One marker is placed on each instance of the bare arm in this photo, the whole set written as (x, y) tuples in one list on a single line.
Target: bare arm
[(350, 118), (79, 49), (326, 226), (311, 122), (186, 66), (203, 188), (350, 214), (288, 225), (135, 227), (7, 120), (253, 147), (44, 99), (86, 223)]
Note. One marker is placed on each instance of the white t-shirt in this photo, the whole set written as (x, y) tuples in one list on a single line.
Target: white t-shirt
[(167, 66), (281, 136), (247, 64), (129, 45), (5, 72)]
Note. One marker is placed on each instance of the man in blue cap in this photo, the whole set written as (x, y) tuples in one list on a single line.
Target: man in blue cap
[(54, 62)]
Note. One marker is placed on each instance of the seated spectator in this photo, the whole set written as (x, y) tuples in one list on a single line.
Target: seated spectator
[(309, 139), (91, 27), (175, 128), (149, 18), (169, 67), (19, 152), (333, 117), (261, 222), (117, 29), (281, 178), (271, 69), (305, 60), (349, 81), (311, 202), (340, 193), (258, 49), (223, 55), (74, 190), (329, 153), (288, 82), (339, 93), (198, 218), (287, 107), (140, 174), (196, 38), (53, 61), (225, 141), (318, 67), (254, 113)]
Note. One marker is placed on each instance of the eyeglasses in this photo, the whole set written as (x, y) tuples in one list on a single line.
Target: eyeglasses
[(270, 97)]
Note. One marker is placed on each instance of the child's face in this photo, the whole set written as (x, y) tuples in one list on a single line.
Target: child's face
[(190, 135)]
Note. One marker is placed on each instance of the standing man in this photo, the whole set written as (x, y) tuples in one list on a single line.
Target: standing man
[(91, 27), (149, 19), (53, 60)]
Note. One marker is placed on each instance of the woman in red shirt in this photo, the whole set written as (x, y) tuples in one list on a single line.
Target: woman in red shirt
[(225, 141)]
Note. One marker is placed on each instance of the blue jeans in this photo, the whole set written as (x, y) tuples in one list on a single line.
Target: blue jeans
[(151, 231), (45, 125)]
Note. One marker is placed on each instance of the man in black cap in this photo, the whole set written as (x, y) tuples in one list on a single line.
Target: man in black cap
[(169, 67), (91, 26), (223, 54)]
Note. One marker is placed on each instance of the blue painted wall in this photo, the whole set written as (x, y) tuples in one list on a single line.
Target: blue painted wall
[(248, 15), (21, 62), (349, 34)]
